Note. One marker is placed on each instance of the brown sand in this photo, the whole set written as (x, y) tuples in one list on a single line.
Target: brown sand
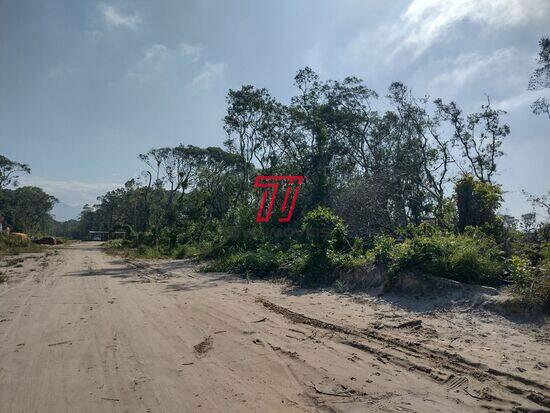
[(82, 331)]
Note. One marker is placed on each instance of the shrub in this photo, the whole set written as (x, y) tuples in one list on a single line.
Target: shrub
[(116, 244), (382, 247), (185, 251), (239, 229), (520, 271), (471, 257), (351, 260), (324, 231), (10, 244), (260, 263), (14, 241), (532, 283), (358, 247), (477, 202)]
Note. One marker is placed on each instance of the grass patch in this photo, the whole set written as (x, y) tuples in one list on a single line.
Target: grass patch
[(469, 258), (11, 245), (531, 282), (261, 263)]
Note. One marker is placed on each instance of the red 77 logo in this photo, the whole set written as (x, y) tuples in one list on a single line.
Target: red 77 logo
[(273, 181)]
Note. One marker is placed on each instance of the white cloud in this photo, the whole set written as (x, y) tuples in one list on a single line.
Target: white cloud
[(153, 65), (115, 18), (520, 100), (472, 66), (192, 52), (73, 193), (212, 73), (425, 22)]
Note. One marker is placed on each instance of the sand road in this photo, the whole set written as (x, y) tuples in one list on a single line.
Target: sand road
[(82, 331)]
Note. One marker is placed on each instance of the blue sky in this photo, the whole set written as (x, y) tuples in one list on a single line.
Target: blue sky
[(86, 86)]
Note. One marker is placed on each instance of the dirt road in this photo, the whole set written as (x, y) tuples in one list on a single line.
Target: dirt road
[(81, 331)]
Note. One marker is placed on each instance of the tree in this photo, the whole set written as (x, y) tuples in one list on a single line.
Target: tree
[(10, 170), (528, 222), (424, 155), (320, 115), (541, 106), (540, 79), (541, 76), (539, 201), (477, 202), (27, 208), (250, 123), (479, 136), (174, 169)]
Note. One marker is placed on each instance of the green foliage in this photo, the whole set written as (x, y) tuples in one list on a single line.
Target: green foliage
[(117, 244), (324, 232), (386, 171), (11, 245), (471, 257), (323, 229), (185, 251), (9, 172), (27, 208), (352, 260), (382, 248), (477, 202), (519, 270), (531, 282), (260, 263)]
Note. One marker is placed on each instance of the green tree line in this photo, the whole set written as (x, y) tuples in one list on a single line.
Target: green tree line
[(399, 181)]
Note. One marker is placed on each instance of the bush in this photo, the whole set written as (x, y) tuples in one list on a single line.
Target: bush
[(323, 229), (260, 263), (382, 248), (351, 260), (470, 257), (324, 232), (520, 271), (14, 241), (532, 283), (116, 244), (477, 202), (10, 244), (185, 251)]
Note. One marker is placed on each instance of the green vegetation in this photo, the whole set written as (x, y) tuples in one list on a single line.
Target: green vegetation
[(11, 245), (471, 257), (24, 209), (397, 183), (409, 188)]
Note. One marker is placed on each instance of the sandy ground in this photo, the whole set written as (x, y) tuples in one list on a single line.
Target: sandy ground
[(81, 331)]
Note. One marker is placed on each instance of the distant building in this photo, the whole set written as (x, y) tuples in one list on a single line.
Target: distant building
[(106, 235), (99, 235)]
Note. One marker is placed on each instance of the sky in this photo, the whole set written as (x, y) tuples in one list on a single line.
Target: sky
[(86, 86)]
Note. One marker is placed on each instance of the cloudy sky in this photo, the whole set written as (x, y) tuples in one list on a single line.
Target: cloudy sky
[(86, 86)]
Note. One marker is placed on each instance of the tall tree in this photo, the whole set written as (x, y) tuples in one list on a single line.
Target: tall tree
[(479, 136), (10, 170), (540, 79), (27, 208), (251, 122)]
